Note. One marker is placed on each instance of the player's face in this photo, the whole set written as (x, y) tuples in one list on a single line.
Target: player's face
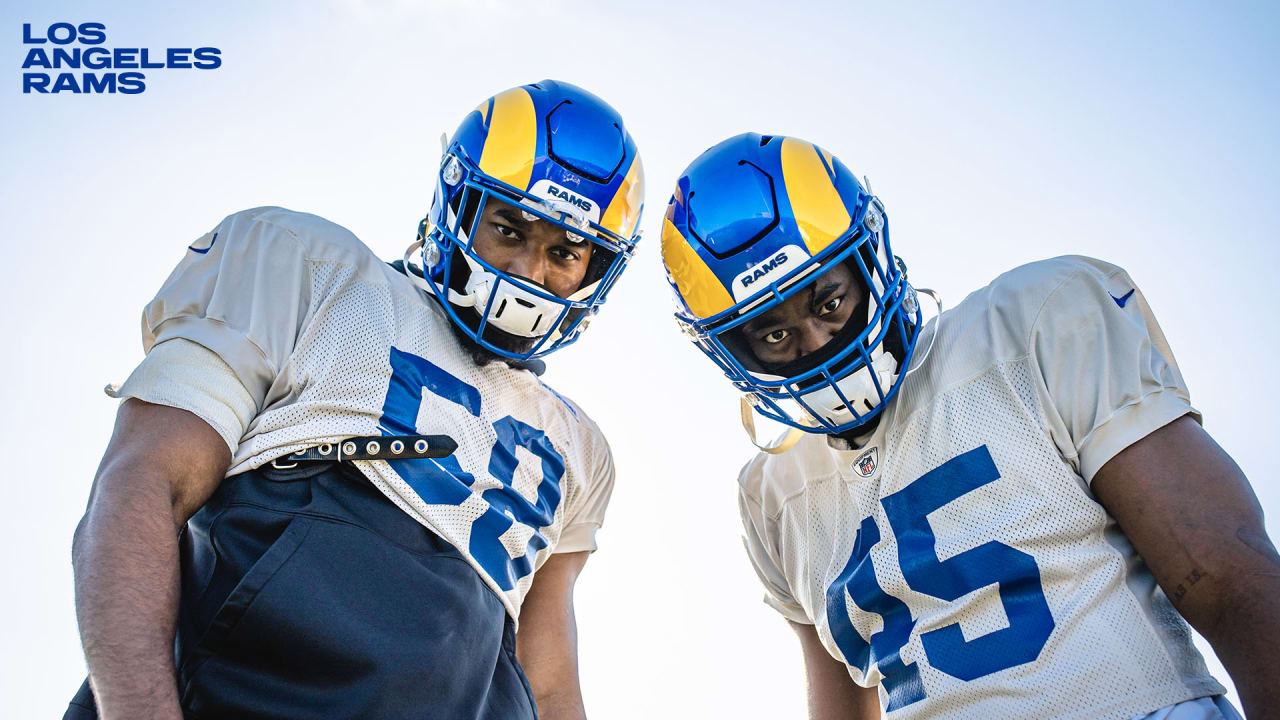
[(531, 249), (807, 320)]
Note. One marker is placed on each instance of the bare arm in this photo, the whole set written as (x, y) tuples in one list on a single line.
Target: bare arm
[(833, 695), (547, 644), (161, 465), (1190, 512)]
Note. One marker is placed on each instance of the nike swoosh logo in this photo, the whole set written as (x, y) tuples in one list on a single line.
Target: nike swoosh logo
[(1123, 299), (193, 249)]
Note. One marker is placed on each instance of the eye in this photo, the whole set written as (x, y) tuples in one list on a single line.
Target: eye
[(830, 306), (564, 253), (507, 231), (776, 336)]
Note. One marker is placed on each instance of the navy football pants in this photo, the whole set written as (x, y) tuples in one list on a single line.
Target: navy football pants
[(307, 594)]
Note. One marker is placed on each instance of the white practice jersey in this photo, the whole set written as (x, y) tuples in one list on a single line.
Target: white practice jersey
[(958, 558), (330, 342)]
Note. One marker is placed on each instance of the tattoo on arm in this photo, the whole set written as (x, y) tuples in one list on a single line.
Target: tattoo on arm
[(1250, 538), (1191, 578)]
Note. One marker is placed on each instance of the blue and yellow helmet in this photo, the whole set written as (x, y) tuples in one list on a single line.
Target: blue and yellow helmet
[(758, 219), (565, 157)]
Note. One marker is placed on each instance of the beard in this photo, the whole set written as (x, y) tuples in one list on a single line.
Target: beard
[(482, 356)]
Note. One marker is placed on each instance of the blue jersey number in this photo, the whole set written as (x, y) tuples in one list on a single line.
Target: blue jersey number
[(1016, 573), (444, 482)]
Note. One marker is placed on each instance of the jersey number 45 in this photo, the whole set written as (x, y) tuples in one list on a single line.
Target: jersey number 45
[(1015, 572)]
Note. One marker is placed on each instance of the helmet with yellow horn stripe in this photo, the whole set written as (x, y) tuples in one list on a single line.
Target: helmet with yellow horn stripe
[(564, 156), (757, 220)]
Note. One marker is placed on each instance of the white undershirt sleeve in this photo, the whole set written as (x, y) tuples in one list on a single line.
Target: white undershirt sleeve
[(186, 375)]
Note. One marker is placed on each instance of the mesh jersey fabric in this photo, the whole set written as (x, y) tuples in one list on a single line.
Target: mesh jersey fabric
[(958, 559), (331, 343)]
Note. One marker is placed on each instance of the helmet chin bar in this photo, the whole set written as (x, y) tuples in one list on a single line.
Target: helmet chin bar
[(830, 401), (508, 303), (836, 402)]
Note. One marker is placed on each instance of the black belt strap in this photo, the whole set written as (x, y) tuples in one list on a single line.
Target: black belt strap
[(374, 447)]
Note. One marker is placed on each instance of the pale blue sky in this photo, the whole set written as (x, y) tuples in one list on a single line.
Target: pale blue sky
[(995, 132)]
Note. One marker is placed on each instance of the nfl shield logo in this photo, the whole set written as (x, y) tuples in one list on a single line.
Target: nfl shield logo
[(866, 464)]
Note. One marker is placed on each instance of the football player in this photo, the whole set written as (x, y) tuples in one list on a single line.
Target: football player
[(281, 495), (1005, 512)]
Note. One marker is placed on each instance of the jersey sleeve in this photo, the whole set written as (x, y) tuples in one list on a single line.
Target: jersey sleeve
[(1106, 367), (758, 536), (241, 292), (587, 514)]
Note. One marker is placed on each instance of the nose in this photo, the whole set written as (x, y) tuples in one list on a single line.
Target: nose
[(529, 262), (813, 335)]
